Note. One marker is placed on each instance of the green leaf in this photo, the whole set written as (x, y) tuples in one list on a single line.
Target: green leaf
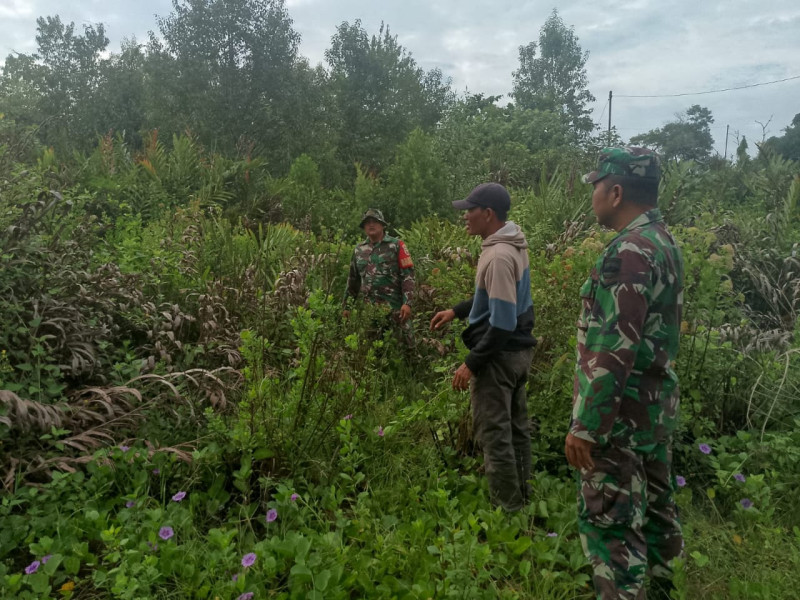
[(525, 568), (301, 572), (520, 545)]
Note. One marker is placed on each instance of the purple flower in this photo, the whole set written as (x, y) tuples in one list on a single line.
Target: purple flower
[(746, 502), (552, 534), (740, 477), (124, 448), (272, 514), (705, 448), (179, 496), (380, 431), (153, 547), (165, 533), (294, 497), (130, 504), (32, 568), (680, 480), (156, 471), (235, 577), (45, 558), (248, 559), (347, 417), (246, 596)]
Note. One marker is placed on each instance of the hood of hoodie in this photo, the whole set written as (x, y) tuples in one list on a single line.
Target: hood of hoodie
[(510, 233)]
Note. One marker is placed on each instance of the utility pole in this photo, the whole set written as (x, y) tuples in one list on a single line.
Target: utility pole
[(727, 127), (610, 94)]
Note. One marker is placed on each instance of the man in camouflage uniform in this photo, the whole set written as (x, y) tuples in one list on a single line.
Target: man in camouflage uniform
[(625, 397), (382, 271)]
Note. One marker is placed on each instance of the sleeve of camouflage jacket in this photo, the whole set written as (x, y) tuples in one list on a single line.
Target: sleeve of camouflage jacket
[(353, 282), (406, 267), (615, 304)]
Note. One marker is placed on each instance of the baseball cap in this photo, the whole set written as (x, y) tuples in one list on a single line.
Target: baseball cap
[(629, 161), (487, 195)]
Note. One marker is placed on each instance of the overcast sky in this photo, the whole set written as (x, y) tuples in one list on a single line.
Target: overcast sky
[(636, 47)]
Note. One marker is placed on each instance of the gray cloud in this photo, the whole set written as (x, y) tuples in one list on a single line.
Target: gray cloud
[(636, 47)]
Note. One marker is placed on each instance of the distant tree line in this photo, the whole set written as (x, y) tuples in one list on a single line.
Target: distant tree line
[(229, 74)]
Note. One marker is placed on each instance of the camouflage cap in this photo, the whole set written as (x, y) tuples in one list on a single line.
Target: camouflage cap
[(626, 162), (373, 213)]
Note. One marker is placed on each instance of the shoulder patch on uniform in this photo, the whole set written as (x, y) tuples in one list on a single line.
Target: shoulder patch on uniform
[(609, 275), (403, 257)]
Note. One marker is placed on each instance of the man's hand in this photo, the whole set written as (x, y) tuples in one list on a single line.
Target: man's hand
[(405, 313), (346, 314), (442, 318), (462, 377), (579, 452)]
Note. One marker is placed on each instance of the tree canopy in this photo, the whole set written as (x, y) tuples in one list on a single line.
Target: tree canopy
[(686, 138), (555, 80)]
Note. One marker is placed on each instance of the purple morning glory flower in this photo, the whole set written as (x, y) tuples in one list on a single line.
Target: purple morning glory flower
[(45, 558), (248, 559), (740, 477), (130, 504), (746, 502), (165, 533), (246, 596), (272, 514), (552, 534), (179, 496), (294, 497), (680, 480), (32, 568), (380, 431), (124, 448), (705, 448), (347, 417)]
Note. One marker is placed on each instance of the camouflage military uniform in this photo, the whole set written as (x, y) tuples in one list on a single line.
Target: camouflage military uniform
[(383, 273), (625, 400)]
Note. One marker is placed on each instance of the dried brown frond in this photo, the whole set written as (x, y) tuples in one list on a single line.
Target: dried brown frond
[(27, 415)]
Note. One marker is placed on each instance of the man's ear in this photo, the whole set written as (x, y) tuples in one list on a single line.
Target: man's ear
[(617, 193)]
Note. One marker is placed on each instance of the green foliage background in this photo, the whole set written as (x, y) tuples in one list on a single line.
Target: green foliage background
[(172, 263)]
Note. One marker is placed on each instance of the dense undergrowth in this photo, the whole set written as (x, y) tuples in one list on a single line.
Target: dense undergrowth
[(185, 414)]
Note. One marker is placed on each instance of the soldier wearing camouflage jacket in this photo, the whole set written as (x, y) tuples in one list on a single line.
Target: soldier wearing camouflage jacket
[(625, 397), (381, 269)]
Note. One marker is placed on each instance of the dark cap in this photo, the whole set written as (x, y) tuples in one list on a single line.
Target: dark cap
[(487, 195), (373, 213), (641, 163)]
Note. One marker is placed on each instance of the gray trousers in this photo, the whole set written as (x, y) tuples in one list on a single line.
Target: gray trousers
[(500, 419)]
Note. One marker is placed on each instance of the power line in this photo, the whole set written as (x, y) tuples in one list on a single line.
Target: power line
[(605, 106), (742, 87)]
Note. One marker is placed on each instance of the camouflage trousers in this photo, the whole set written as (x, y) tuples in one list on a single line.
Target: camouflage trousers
[(500, 419), (628, 521)]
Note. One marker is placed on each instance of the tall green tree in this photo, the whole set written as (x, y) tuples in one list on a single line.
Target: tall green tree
[(552, 76), (686, 138), (229, 70), (380, 93), (56, 87)]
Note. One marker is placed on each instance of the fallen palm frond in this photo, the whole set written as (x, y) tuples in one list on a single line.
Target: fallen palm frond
[(94, 417)]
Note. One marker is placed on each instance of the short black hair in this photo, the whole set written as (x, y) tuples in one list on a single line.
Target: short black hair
[(641, 190)]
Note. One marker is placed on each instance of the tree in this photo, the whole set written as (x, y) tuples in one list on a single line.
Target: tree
[(380, 94), (788, 145), (229, 70), (556, 79), (687, 138), (56, 87)]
